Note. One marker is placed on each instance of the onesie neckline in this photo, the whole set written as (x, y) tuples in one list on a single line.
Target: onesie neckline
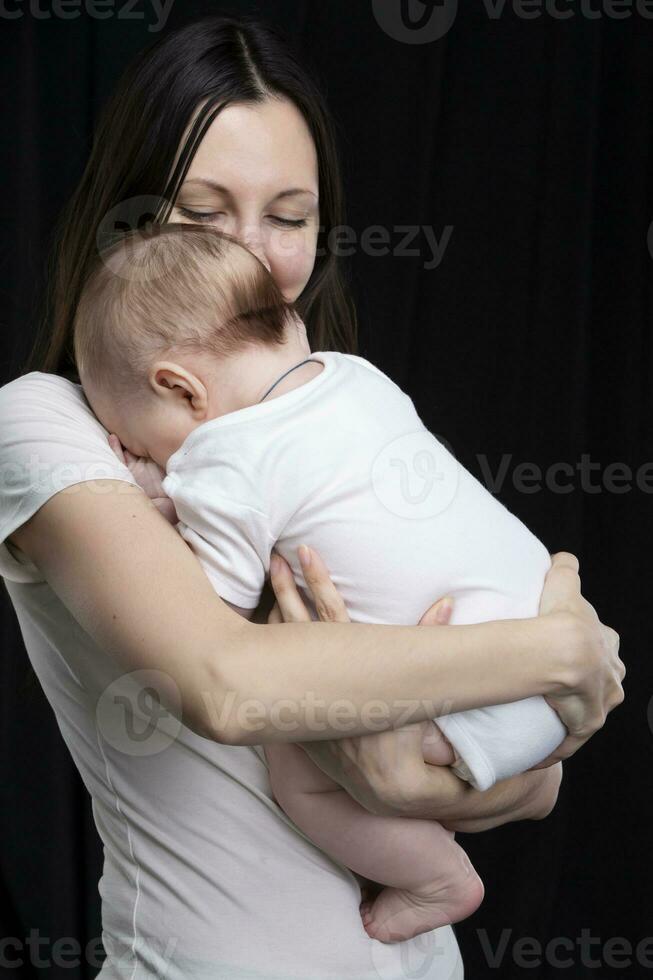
[(260, 409)]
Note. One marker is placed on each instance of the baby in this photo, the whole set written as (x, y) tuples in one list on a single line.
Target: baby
[(188, 352)]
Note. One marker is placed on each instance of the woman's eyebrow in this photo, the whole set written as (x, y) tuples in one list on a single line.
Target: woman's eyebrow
[(292, 191)]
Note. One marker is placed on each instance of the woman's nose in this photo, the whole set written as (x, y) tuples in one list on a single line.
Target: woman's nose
[(259, 253), (252, 242)]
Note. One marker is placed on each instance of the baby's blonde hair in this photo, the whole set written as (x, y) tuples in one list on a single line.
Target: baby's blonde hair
[(172, 288)]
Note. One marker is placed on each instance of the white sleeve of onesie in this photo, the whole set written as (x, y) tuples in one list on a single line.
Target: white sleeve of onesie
[(231, 540), (501, 740)]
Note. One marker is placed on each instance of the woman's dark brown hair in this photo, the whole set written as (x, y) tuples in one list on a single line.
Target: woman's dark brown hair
[(212, 62)]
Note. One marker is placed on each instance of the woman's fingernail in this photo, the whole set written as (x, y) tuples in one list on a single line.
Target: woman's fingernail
[(444, 609), (275, 564), (304, 555)]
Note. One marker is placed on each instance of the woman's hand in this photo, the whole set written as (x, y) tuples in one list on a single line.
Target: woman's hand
[(149, 477), (594, 671)]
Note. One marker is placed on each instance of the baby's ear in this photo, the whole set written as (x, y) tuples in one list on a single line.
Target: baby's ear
[(172, 381), (166, 374)]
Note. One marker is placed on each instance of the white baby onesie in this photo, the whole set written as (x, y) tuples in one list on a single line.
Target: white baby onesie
[(344, 464)]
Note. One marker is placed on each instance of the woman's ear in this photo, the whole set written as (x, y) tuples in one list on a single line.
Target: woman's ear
[(179, 387)]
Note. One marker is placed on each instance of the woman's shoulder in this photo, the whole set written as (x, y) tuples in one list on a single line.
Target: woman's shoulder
[(44, 393), (49, 440), (50, 415), (46, 408)]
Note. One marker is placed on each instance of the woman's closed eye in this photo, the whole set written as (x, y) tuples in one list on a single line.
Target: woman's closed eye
[(211, 215)]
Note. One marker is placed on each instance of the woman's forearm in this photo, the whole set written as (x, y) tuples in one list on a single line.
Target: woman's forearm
[(306, 681)]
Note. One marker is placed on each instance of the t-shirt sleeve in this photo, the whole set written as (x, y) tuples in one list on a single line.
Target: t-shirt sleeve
[(49, 440), (231, 539)]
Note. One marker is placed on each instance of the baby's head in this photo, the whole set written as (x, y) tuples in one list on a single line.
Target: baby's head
[(164, 321)]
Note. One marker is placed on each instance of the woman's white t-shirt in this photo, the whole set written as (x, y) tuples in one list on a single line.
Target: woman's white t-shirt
[(204, 875)]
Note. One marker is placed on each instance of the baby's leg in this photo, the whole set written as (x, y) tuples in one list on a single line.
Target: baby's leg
[(432, 880)]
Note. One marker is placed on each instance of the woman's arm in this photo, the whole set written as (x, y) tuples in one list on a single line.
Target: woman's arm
[(389, 776), (386, 774), (136, 588), (529, 796)]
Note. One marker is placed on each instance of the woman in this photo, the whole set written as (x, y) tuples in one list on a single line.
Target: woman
[(204, 875)]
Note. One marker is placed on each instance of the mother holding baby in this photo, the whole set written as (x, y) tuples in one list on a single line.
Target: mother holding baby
[(204, 874)]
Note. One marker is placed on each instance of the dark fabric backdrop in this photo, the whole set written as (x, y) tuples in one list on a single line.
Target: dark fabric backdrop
[(532, 140)]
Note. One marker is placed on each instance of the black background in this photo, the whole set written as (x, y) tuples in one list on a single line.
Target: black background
[(532, 139)]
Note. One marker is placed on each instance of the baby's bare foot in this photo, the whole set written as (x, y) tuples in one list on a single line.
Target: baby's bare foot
[(397, 914)]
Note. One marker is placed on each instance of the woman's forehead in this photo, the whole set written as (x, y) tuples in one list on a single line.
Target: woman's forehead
[(264, 148)]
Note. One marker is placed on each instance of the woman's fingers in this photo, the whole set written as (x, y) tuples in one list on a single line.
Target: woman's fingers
[(289, 602), (275, 614), (439, 613), (585, 712), (562, 582), (591, 651), (291, 607), (328, 601)]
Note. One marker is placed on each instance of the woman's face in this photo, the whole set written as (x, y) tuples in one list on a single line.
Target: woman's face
[(255, 176)]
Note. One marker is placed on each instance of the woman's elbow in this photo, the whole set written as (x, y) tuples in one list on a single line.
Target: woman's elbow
[(220, 707), (207, 713)]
